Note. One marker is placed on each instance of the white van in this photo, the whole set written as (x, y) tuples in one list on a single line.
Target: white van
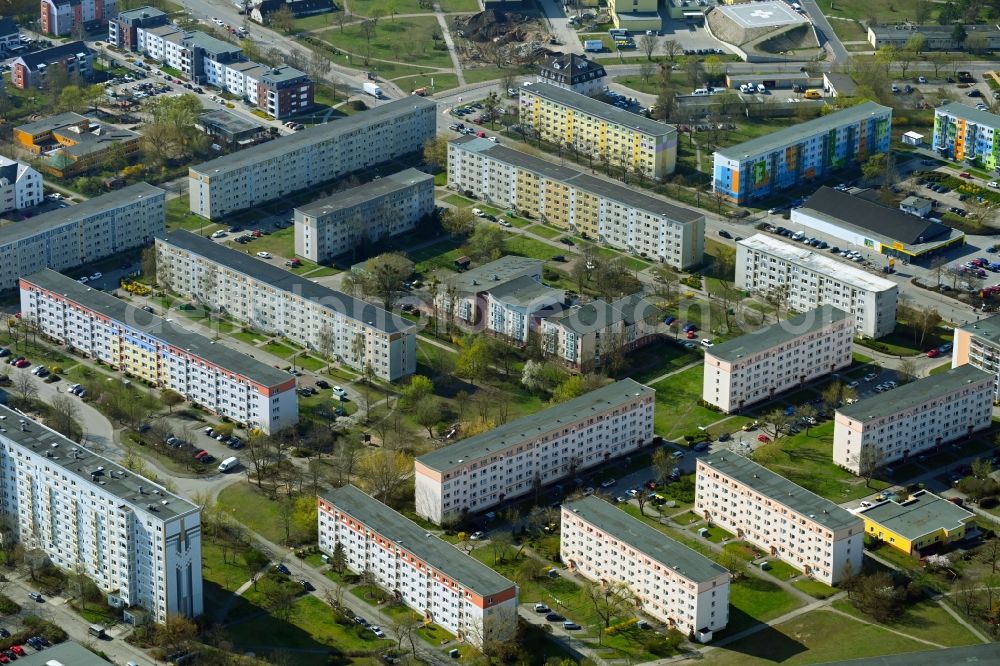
[(700, 91), (229, 463)]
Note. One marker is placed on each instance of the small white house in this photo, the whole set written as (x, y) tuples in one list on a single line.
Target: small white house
[(913, 139)]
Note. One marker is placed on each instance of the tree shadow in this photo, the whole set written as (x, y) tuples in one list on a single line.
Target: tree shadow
[(768, 644)]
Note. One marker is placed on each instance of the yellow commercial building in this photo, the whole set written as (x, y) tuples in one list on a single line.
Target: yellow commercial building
[(600, 131), (922, 521), (635, 15)]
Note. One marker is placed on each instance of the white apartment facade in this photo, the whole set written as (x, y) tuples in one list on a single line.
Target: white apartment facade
[(431, 576), (463, 296), (315, 155), (810, 533), (65, 238), (386, 207), (913, 418), (274, 300), (20, 186), (978, 344), (582, 336), (675, 584), (513, 459), (132, 537), (143, 345), (514, 309), (810, 279), (619, 216), (759, 365)]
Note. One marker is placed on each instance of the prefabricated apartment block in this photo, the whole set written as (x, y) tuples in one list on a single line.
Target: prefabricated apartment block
[(811, 533), (808, 279), (386, 207), (160, 352), (132, 537), (620, 216), (978, 344), (599, 130), (511, 460), (69, 237), (911, 419), (359, 334), (674, 584), (759, 365), (317, 154), (446, 586), (965, 134)]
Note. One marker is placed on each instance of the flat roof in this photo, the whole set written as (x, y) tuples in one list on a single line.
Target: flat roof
[(905, 31), (818, 262), (921, 514), (206, 42), (78, 461), (874, 219), (914, 394), (761, 14), (364, 193), (52, 122), (777, 334), (69, 653), (140, 12), (522, 291), (71, 214), (355, 308), (166, 331), (276, 75), (229, 121), (969, 113), (599, 400), (53, 53), (613, 191), (795, 133), (399, 529), (841, 83), (652, 542), (482, 277), (599, 109), (598, 314), (307, 137), (780, 489), (986, 329)]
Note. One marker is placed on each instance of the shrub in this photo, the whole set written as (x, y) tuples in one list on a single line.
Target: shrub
[(989, 502), (7, 605)]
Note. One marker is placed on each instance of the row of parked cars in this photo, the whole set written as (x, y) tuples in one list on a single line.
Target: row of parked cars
[(552, 616), (231, 441)]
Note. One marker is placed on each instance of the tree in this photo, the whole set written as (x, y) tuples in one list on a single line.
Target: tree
[(874, 167), (474, 359), (977, 43), (175, 633), (382, 277), (958, 34), (281, 19), (486, 243), (436, 152), (916, 44), (419, 388), (382, 473), (492, 108), (71, 99), (906, 370), (148, 263), (736, 564), (428, 413), (886, 56), (25, 388), (835, 394), (869, 460), (922, 11), (662, 463), (777, 419), (672, 48), (807, 415), (338, 561), (575, 386), (532, 376), (171, 398), (922, 320), (62, 415), (458, 221), (646, 70), (648, 45), (610, 601)]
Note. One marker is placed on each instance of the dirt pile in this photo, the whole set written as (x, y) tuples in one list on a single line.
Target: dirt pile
[(496, 26)]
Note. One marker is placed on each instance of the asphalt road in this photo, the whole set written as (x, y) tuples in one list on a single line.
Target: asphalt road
[(825, 32)]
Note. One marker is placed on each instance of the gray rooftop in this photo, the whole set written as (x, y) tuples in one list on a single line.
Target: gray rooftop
[(843, 84), (140, 12), (619, 193), (399, 529), (229, 121), (922, 514), (53, 122), (523, 291), (652, 542), (209, 44), (796, 133), (599, 314), (69, 653), (82, 463), (283, 74), (279, 278), (534, 425), (599, 109), (780, 489), (969, 113), (985, 329), (914, 394), (503, 269), (777, 334), (165, 30), (930, 30), (311, 135), (168, 332), (364, 193), (76, 213)]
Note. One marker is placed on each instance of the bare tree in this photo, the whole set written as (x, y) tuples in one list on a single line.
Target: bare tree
[(610, 601), (672, 48), (869, 460), (648, 45), (25, 388)]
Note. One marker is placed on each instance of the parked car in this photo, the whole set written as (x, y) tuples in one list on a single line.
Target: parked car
[(542, 608), (554, 617), (264, 255)]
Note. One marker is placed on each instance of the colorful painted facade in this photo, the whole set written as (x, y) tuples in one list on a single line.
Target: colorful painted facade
[(964, 134), (757, 168)]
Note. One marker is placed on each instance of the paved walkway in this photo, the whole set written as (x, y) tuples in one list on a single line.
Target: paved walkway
[(450, 43)]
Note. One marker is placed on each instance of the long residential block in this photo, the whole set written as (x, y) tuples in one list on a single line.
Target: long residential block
[(513, 459), (968, 135), (354, 332), (68, 237), (978, 344), (673, 583), (143, 345), (569, 199), (916, 417), (271, 170), (759, 365), (599, 130), (811, 533), (431, 576), (806, 279), (132, 537), (801, 152), (386, 207)]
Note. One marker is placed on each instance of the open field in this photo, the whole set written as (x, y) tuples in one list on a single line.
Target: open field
[(413, 40), (926, 620), (677, 409)]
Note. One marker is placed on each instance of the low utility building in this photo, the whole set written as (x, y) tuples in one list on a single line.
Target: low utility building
[(70, 144), (922, 522)]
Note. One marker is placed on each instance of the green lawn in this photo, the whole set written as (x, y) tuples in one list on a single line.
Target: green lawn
[(634, 263), (529, 247), (364, 8), (677, 411), (250, 337), (849, 31), (818, 636), (280, 243), (458, 200), (753, 600), (278, 349), (448, 6), (885, 11), (814, 588), (250, 507), (309, 363), (944, 367), (782, 570), (405, 40), (179, 215), (544, 231), (441, 254), (925, 619), (435, 82)]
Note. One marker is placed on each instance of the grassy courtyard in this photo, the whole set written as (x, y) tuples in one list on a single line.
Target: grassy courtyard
[(677, 410)]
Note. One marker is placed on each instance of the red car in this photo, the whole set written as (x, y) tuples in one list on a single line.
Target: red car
[(763, 438), (201, 454), (23, 363), (691, 335), (651, 485), (4, 659), (934, 353), (18, 650), (965, 174)]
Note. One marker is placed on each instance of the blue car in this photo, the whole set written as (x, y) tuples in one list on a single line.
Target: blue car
[(789, 411), (668, 320)]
